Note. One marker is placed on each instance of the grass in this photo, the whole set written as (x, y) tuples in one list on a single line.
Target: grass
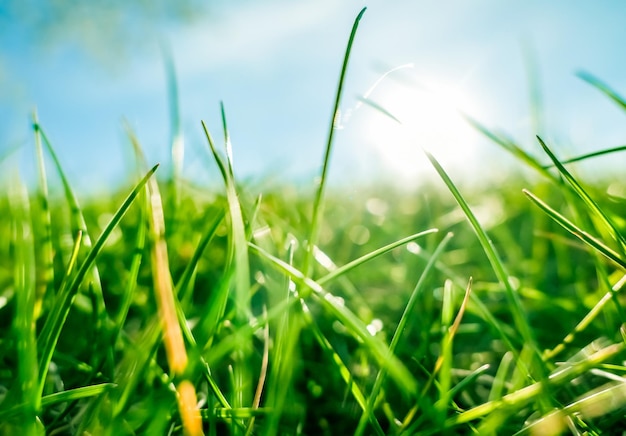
[(285, 312)]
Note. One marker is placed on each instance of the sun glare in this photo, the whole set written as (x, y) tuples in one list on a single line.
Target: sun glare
[(404, 119)]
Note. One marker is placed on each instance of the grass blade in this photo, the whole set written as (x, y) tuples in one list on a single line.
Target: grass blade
[(510, 146), (604, 88), (517, 310), (371, 255), (318, 205), (589, 156), (589, 202), (515, 400), (43, 222), (587, 320), (591, 241), (240, 264)]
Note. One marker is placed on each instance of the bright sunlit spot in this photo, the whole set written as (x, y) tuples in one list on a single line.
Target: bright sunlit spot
[(403, 118)]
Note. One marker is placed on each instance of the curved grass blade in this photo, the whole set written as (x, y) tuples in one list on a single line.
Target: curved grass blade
[(517, 310), (56, 319), (510, 146), (587, 320), (318, 205), (580, 191), (593, 242), (371, 255), (589, 156), (603, 87)]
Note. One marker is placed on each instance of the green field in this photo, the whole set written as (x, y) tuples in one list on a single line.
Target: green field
[(171, 308)]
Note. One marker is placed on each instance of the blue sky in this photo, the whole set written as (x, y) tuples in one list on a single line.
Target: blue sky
[(275, 64)]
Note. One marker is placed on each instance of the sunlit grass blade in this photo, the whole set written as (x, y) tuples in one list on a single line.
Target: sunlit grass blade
[(604, 88), (43, 227), (510, 145), (587, 320), (521, 397), (515, 305), (406, 315), (591, 405), (318, 204), (589, 202), (58, 314), (24, 327), (371, 255), (589, 155), (591, 241)]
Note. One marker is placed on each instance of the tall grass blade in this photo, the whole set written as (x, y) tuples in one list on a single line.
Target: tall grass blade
[(42, 221), (240, 264), (318, 205)]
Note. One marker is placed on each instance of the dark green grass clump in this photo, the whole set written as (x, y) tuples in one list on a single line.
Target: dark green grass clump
[(324, 351)]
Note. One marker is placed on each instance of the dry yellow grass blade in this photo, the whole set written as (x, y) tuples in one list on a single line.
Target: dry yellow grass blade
[(172, 334)]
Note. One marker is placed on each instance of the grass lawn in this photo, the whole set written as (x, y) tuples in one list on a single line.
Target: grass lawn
[(171, 308)]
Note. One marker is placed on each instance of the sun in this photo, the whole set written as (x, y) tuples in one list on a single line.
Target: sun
[(402, 119)]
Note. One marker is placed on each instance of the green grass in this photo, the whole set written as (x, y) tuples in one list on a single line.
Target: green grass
[(283, 311)]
